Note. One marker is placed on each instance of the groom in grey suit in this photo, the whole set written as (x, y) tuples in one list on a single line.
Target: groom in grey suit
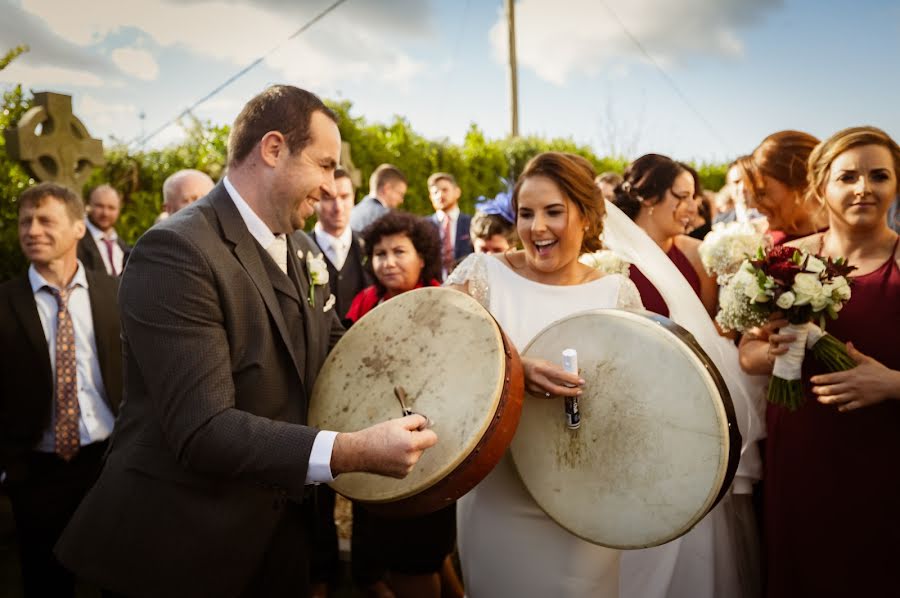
[(211, 458)]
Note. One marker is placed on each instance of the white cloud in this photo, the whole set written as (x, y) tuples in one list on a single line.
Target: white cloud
[(136, 62), (342, 45), (37, 76), (567, 38), (99, 113)]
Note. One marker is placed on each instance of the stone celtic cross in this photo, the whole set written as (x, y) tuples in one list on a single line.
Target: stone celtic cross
[(62, 151)]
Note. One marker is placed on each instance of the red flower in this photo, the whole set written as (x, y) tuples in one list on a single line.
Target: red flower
[(781, 253), (783, 271)]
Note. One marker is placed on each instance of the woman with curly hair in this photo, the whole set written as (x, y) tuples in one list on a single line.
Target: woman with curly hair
[(401, 557)]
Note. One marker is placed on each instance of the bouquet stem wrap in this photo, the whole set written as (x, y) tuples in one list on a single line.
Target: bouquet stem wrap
[(785, 387)]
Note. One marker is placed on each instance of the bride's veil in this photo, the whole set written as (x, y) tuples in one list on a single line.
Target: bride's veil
[(625, 238)]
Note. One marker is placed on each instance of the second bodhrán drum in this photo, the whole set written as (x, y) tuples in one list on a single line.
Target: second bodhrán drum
[(658, 443)]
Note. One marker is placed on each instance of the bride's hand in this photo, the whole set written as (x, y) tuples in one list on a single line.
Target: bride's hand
[(547, 379)]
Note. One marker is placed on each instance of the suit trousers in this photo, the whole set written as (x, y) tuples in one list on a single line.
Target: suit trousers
[(42, 503), (285, 567)]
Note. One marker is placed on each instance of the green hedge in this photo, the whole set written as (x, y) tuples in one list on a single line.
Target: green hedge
[(478, 163)]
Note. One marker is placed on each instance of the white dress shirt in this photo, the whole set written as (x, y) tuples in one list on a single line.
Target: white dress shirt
[(319, 469), (336, 249), (96, 419), (118, 255)]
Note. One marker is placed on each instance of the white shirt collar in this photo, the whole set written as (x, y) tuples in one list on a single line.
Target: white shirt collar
[(98, 234), (255, 225), (344, 240), (38, 282), (453, 213)]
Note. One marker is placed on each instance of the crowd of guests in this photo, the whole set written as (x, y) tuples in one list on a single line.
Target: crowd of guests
[(823, 478)]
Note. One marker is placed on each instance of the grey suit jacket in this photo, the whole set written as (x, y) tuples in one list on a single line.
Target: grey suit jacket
[(210, 442), (366, 212)]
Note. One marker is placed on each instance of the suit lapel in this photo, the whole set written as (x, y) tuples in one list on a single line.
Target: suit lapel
[(311, 323), (245, 250), (102, 313), (26, 309)]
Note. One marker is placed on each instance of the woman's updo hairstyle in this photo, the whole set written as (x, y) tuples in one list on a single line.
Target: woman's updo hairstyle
[(574, 176), (646, 180)]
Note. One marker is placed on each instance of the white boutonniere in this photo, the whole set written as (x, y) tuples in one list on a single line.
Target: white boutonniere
[(329, 304), (318, 275)]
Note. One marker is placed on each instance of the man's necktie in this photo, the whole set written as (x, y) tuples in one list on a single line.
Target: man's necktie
[(66, 430), (278, 250), (337, 250), (447, 245), (109, 252)]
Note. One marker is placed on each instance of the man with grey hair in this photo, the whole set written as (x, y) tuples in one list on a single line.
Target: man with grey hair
[(184, 188)]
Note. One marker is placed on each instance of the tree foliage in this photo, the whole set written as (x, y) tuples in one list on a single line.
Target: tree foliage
[(477, 163)]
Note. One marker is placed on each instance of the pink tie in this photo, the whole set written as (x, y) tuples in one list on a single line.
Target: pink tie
[(66, 432), (109, 251), (447, 245)]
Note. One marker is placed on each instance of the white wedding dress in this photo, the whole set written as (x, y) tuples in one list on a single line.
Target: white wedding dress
[(507, 545)]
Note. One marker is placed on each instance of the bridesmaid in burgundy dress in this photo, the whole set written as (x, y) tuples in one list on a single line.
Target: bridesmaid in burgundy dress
[(775, 184), (659, 194), (832, 485)]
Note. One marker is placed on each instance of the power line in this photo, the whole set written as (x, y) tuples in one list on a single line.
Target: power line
[(143, 141), (668, 79)]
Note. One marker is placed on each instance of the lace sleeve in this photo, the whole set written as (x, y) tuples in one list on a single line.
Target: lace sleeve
[(629, 297), (472, 272)]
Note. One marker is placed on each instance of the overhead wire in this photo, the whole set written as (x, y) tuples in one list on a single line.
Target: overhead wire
[(668, 78), (141, 141)]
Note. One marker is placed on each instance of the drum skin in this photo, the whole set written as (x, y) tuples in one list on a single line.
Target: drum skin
[(658, 443), (458, 369)]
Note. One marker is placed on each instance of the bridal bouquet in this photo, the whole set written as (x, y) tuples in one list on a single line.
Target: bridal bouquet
[(805, 288), (726, 246), (606, 261)]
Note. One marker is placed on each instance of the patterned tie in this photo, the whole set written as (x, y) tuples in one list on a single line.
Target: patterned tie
[(447, 244), (66, 431), (109, 252), (278, 250)]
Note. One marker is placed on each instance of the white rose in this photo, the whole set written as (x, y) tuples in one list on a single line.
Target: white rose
[(814, 265), (786, 300), (838, 289), (807, 287), (318, 271)]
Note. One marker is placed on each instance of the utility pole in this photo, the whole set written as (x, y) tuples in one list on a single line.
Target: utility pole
[(513, 69)]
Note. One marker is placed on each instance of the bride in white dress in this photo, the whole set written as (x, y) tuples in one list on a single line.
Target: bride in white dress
[(507, 545)]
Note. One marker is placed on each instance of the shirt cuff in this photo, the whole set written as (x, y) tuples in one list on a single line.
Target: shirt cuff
[(319, 469)]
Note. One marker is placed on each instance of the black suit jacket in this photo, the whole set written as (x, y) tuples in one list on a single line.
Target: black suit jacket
[(345, 289), (90, 256), (26, 378), (463, 243), (210, 443)]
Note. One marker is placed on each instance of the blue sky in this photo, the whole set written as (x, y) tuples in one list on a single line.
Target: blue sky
[(749, 68)]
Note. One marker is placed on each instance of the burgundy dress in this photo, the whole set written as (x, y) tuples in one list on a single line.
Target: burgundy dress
[(832, 492), (650, 297)]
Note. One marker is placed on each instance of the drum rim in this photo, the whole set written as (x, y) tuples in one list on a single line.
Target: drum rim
[(724, 410), (496, 398)]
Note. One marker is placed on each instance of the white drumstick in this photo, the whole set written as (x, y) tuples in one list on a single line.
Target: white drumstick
[(570, 364)]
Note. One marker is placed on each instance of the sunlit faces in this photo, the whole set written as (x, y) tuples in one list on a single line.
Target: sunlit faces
[(393, 193), (495, 244), (861, 186), (774, 201), (334, 210), (397, 264), (103, 208), (444, 195), (47, 232), (550, 226), (301, 179), (673, 214)]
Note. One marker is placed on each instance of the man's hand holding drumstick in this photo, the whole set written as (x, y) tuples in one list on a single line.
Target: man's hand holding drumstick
[(391, 448)]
